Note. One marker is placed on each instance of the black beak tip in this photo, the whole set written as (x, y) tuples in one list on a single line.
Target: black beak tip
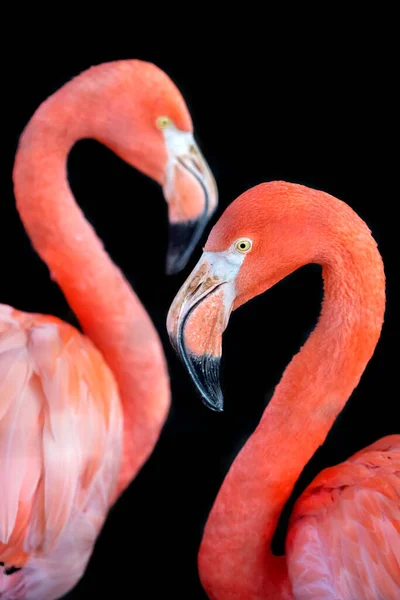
[(183, 238), (171, 269), (175, 263), (216, 405), (204, 370)]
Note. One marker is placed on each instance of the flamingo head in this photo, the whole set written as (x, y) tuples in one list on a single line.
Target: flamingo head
[(148, 124), (262, 237)]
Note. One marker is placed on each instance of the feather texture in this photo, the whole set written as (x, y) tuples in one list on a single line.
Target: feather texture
[(344, 541), (60, 451)]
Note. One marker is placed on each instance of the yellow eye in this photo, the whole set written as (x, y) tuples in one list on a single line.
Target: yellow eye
[(163, 122), (243, 245)]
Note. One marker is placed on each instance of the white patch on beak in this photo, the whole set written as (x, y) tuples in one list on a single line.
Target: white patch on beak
[(178, 144), (224, 265)]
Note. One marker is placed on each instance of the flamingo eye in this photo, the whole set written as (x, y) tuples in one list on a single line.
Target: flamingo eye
[(163, 122), (243, 245)]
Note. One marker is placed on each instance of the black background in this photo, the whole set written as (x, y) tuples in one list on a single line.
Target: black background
[(290, 110)]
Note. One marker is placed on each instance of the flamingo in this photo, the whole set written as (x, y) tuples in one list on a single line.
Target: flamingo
[(80, 414), (343, 540)]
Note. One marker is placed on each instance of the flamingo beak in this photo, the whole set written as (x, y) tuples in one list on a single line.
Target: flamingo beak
[(197, 319), (191, 193)]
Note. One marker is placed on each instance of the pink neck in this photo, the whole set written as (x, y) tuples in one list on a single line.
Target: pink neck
[(235, 560), (106, 306)]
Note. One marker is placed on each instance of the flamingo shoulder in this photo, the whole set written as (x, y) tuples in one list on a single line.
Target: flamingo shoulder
[(344, 536)]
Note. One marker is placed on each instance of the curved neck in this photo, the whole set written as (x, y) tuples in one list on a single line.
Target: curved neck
[(106, 306), (235, 558)]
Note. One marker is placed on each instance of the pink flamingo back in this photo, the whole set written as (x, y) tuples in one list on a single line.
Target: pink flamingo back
[(60, 450)]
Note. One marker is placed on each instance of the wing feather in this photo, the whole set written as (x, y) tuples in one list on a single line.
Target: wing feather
[(14, 377), (60, 434), (344, 538)]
